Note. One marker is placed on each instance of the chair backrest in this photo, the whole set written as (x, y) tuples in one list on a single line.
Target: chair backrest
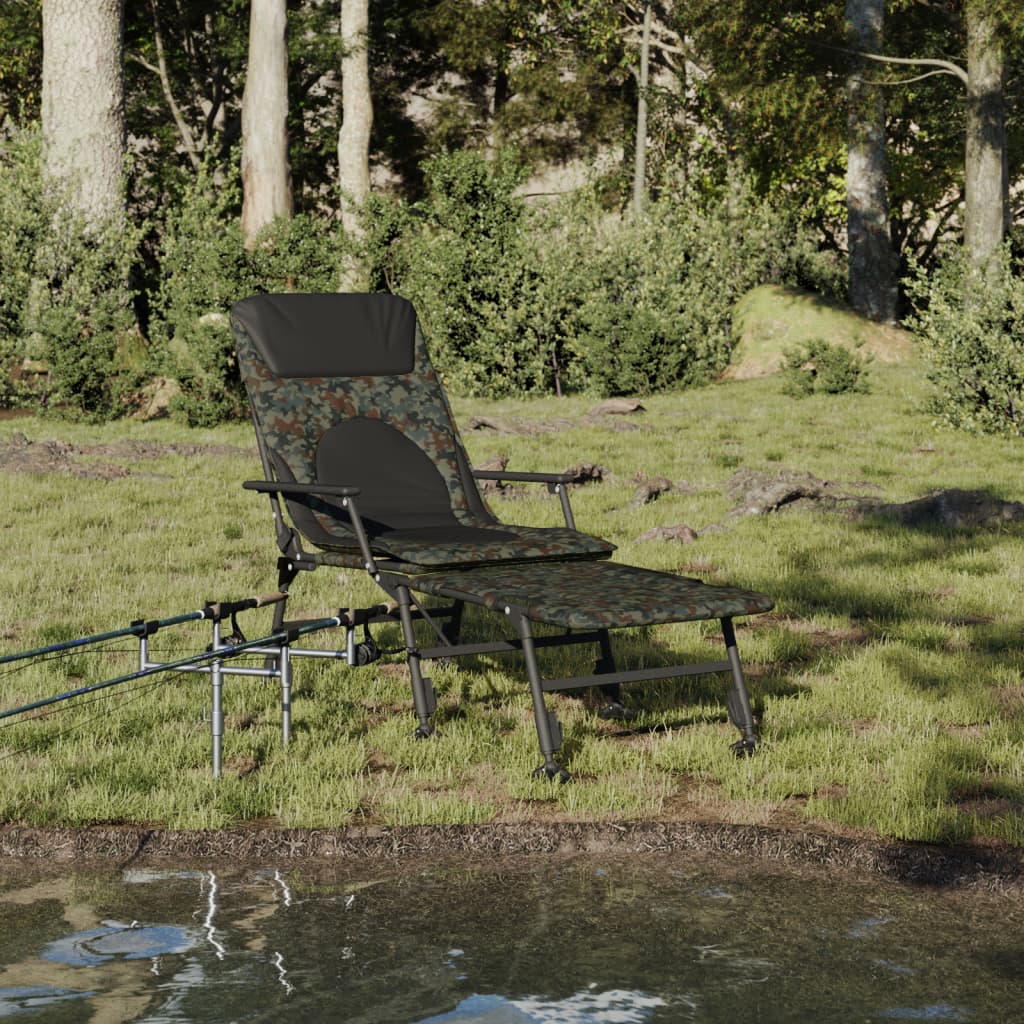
[(342, 391)]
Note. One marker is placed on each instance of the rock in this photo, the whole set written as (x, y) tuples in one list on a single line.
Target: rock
[(952, 508), (521, 427), (682, 533), (495, 465), (587, 473), (757, 492), (155, 398), (618, 407), (650, 490)]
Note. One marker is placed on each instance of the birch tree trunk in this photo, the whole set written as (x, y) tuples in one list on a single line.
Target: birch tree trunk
[(357, 112), (872, 264), (83, 104), (986, 178), (266, 172)]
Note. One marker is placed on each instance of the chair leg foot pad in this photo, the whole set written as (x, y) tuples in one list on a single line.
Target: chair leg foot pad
[(616, 711), (553, 772), (745, 747)]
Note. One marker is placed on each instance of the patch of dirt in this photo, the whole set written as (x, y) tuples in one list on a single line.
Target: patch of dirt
[(682, 533), (98, 461), (821, 636)]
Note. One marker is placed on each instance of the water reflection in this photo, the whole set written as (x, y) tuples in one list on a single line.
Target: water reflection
[(576, 941), (614, 1007)]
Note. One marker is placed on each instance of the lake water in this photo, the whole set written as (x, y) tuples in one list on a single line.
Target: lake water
[(575, 941)]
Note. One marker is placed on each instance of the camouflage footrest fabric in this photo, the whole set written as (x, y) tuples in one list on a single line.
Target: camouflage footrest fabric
[(594, 595)]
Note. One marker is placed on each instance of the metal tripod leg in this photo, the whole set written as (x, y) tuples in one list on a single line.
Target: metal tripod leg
[(738, 700)]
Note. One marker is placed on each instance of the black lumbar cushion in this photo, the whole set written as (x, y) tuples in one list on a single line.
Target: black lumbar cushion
[(332, 335), (400, 487)]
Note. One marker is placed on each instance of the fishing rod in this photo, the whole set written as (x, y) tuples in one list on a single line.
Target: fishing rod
[(144, 628)]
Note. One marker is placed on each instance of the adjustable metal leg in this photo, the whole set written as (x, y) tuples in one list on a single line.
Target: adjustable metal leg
[(549, 730), (738, 700), (286, 573), (424, 699), (217, 715), (453, 627), (285, 670), (614, 708)]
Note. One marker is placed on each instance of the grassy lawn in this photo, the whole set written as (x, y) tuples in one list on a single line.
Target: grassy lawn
[(888, 678)]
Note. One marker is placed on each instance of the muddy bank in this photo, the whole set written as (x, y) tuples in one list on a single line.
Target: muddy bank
[(982, 868)]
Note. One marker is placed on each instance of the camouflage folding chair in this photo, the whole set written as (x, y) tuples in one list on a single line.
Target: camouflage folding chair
[(358, 443)]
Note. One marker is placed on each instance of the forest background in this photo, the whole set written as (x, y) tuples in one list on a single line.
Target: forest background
[(574, 195)]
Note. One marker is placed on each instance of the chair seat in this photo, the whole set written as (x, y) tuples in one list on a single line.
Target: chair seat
[(462, 545), (427, 548), (594, 595)]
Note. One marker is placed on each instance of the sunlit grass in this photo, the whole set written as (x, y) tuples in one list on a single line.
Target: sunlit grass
[(888, 679)]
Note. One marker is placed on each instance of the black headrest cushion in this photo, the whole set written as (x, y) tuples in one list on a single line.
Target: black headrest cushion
[(332, 334)]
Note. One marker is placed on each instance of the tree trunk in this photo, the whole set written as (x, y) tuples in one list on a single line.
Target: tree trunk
[(266, 173), (83, 103), (357, 112), (986, 179), (354, 134), (640, 162), (872, 268)]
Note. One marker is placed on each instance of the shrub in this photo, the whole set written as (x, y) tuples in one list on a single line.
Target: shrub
[(520, 300), (22, 228), (65, 295), (821, 367), (465, 258), (205, 271), (652, 297), (971, 323)]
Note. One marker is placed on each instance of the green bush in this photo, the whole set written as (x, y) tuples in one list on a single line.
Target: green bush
[(465, 258), (649, 300), (65, 297), (971, 324), (205, 270), (821, 367), (23, 226), (515, 298), (519, 299)]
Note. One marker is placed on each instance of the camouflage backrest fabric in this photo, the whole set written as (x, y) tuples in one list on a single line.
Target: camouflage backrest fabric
[(340, 381)]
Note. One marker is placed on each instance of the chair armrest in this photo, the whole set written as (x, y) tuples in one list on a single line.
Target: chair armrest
[(537, 478), (323, 490), (556, 483), (287, 487)]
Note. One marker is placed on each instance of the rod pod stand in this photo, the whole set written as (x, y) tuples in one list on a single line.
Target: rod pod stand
[(278, 649)]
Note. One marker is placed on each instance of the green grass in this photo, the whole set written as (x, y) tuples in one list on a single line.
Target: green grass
[(888, 678)]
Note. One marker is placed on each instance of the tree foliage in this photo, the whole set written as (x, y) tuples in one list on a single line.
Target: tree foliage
[(21, 61), (472, 101)]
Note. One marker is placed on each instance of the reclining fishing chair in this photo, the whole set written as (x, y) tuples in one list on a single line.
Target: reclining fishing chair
[(358, 443)]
